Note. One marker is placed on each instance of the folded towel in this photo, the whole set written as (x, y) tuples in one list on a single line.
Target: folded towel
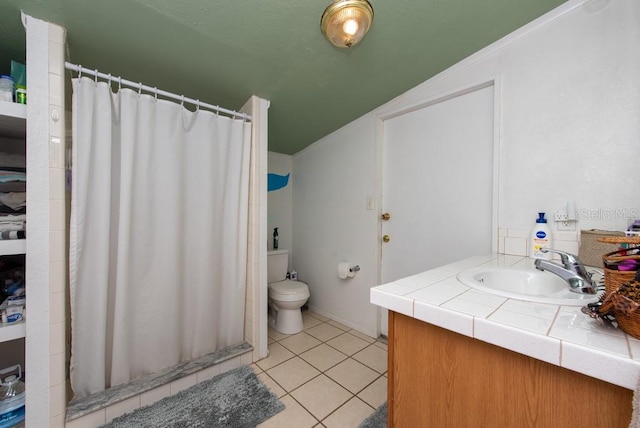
[(7, 176), (11, 218), (12, 234), (14, 200), (12, 223)]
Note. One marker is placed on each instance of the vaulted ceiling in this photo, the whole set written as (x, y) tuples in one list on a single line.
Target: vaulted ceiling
[(224, 51)]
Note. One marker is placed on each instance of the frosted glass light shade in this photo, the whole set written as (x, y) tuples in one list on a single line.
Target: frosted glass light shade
[(345, 22)]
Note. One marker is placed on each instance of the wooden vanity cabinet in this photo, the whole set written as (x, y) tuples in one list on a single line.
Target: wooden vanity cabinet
[(438, 378)]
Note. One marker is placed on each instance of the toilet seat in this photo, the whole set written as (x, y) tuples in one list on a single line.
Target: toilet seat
[(287, 290)]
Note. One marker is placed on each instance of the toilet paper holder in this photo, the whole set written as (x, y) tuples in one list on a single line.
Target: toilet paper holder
[(347, 270)]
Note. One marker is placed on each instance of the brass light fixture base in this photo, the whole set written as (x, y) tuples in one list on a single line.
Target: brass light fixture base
[(344, 23)]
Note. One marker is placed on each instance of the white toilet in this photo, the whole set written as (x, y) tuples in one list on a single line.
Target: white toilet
[(286, 297)]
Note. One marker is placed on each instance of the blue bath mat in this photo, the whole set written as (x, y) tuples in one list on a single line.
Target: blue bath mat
[(377, 419), (234, 399)]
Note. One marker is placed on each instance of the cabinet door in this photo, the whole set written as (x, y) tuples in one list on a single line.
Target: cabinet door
[(438, 378)]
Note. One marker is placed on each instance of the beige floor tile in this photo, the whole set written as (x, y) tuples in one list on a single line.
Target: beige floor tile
[(340, 326), (376, 393), (256, 369), (299, 343), (347, 343), (318, 316), (373, 357), (270, 341), (277, 355), (321, 396), (352, 375), (323, 357), (324, 332), (362, 336), (276, 335), (293, 373), (382, 345), (309, 321), (293, 416), (272, 384), (349, 415)]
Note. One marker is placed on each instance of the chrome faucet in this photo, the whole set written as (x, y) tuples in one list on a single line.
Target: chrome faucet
[(572, 270)]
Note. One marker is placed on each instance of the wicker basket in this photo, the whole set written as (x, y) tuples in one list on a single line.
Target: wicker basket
[(613, 277), (630, 324), (624, 303)]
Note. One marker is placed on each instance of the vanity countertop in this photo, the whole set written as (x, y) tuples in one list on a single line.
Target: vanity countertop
[(560, 335)]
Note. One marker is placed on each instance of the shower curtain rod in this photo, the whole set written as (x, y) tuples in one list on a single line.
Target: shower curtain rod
[(140, 87)]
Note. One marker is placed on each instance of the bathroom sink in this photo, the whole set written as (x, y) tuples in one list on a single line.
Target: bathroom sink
[(524, 284)]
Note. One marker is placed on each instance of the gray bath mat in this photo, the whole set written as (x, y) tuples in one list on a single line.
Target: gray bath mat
[(233, 399), (377, 419)]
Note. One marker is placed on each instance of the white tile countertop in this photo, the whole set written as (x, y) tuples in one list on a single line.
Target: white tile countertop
[(560, 335)]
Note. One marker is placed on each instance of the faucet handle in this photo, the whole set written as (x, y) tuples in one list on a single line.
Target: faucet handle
[(566, 258)]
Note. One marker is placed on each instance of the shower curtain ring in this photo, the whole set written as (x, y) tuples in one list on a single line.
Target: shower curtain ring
[(182, 100), (79, 71), (155, 91), (95, 76), (217, 110), (119, 82), (139, 88), (109, 80), (197, 105)]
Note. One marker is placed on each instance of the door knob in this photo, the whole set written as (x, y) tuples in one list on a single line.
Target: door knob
[(386, 238), (385, 216)]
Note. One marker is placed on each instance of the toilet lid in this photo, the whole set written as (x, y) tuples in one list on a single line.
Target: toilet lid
[(289, 287)]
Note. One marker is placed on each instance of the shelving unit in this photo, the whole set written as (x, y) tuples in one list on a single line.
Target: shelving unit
[(13, 125), (13, 246), (13, 120), (12, 331)]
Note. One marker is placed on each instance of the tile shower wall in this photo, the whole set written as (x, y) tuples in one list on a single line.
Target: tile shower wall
[(46, 242), (57, 226), (256, 291)]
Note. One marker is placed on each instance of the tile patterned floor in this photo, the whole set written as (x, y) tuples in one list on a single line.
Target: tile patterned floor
[(328, 375)]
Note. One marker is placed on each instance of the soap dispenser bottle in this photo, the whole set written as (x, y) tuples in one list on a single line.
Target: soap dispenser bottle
[(275, 238), (540, 238)]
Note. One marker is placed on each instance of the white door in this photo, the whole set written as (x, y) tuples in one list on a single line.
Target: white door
[(437, 185)]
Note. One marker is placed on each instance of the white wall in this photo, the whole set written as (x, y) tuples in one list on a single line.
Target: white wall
[(279, 203), (569, 130), (331, 223)]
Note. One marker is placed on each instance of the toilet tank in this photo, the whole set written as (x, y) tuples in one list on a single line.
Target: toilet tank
[(277, 264)]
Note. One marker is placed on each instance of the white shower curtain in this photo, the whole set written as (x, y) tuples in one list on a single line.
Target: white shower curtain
[(158, 234)]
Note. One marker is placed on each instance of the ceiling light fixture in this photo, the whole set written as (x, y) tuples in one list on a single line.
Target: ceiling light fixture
[(345, 22)]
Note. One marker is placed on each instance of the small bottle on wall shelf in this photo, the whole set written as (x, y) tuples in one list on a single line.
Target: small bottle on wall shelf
[(275, 238)]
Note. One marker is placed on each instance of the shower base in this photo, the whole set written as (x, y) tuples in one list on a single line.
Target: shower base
[(111, 396)]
